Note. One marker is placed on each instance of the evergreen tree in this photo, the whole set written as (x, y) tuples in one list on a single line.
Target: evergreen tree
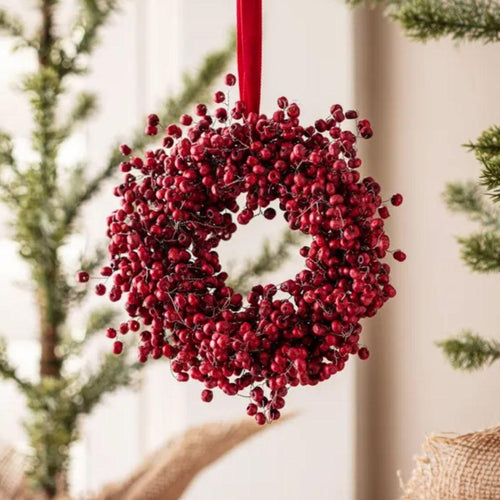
[(44, 212), (464, 20)]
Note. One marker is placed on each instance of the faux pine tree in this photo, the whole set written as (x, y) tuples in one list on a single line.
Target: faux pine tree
[(464, 20), (44, 212), (480, 250)]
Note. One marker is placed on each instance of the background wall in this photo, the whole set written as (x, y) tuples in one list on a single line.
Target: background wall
[(424, 101), (142, 56)]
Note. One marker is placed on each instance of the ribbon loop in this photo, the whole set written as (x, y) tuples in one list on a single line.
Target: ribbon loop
[(249, 40)]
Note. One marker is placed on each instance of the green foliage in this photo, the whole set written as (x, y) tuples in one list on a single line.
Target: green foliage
[(55, 406), (6, 150), (9, 372), (481, 251), (93, 15), (460, 19), (51, 428), (469, 198), (469, 351), (463, 20), (99, 319), (12, 26), (113, 372), (84, 107), (487, 151)]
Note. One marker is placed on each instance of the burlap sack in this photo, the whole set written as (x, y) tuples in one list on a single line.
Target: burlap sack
[(460, 467), (168, 473), (165, 475), (12, 484)]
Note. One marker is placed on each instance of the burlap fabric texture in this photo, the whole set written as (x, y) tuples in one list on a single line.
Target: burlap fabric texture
[(458, 467)]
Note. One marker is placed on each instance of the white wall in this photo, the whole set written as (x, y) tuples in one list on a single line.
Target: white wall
[(308, 57), (425, 100)]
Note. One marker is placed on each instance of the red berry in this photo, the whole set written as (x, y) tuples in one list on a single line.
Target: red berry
[(282, 102), (269, 213), (111, 333), (153, 120), (134, 325), (383, 212), (260, 418), (252, 409), (397, 199), (207, 395), (82, 276), (117, 347), (201, 110), (363, 353), (230, 79), (219, 97), (293, 111), (399, 255), (186, 120), (100, 289), (125, 150), (106, 271)]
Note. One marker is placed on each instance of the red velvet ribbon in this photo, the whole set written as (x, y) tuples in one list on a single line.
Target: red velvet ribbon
[(249, 29)]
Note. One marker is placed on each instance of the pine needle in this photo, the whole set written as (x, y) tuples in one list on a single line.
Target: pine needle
[(469, 351)]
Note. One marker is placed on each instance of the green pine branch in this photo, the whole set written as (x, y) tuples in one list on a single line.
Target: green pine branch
[(269, 259), (466, 20), (56, 405), (481, 251), (113, 372), (91, 262), (423, 20), (51, 429), (6, 150), (12, 26), (9, 372), (84, 107), (469, 198), (487, 151), (93, 15), (99, 319), (469, 351)]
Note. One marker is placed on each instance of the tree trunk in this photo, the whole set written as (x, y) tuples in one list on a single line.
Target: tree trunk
[(47, 296), (50, 363), (46, 39)]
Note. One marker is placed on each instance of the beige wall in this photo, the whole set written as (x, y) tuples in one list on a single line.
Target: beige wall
[(424, 100)]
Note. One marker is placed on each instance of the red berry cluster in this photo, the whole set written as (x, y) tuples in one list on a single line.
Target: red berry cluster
[(181, 201)]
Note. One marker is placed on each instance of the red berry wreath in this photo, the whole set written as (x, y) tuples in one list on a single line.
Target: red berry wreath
[(181, 201)]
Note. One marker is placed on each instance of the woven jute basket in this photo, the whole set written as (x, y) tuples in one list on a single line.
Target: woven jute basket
[(12, 486), (457, 467)]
